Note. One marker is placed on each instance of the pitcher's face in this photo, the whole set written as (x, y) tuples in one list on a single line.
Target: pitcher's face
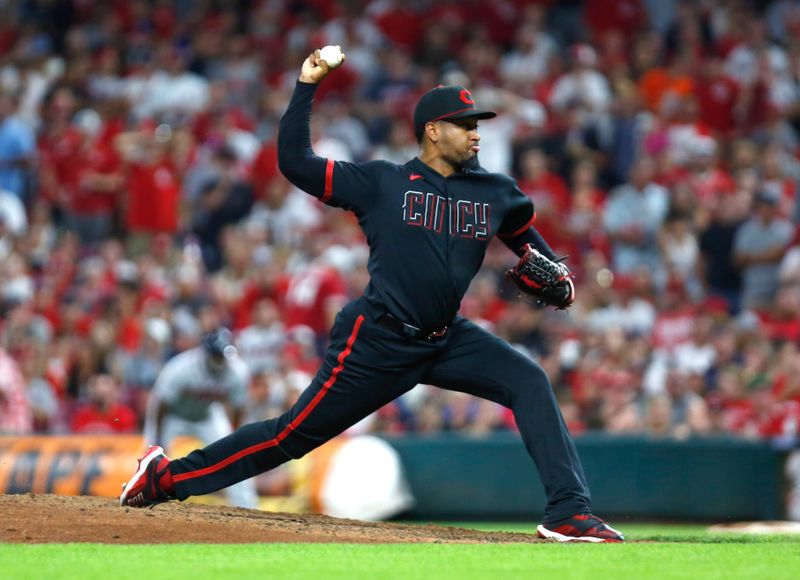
[(458, 141)]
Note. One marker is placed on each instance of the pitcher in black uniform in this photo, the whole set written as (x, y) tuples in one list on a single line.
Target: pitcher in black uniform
[(428, 224)]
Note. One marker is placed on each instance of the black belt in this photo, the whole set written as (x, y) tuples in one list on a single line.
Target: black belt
[(408, 330)]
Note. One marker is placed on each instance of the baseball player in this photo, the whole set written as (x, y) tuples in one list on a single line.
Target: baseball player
[(191, 395), (428, 224)]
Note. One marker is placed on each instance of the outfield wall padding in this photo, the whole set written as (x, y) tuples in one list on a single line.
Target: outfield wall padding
[(456, 477)]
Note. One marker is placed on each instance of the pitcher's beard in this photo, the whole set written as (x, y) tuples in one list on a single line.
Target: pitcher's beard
[(471, 163), (459, 165)]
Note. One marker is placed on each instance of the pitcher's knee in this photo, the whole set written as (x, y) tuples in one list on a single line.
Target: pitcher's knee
[(297, 444), (276, 433), (296, 440), (526, 380)]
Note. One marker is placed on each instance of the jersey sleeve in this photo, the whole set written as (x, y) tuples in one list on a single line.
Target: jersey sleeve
[(517, 229), (351, 186), (520, 215), (337, 183)]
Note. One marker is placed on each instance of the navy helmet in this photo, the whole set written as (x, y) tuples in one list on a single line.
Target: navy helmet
[(219, 343)]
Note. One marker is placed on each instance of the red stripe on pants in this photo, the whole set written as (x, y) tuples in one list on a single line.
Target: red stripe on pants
[(290, 427)]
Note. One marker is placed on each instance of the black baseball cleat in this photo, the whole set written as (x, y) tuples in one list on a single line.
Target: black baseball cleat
[(142, 490), (580, 528)]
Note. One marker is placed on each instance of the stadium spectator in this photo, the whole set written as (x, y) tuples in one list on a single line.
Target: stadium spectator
[(399, 146), (551, 195), (779, 173), (680, 249), (261, 343), (606, 16), (585, 91), (46, 407), (263, 400), (718, 95), (316, 292), (584, 229), (17, 146), (628, 310), (13, 217), (633, 216), (689, 409), (759, 246), (225, 199), (153, 161), (629, 124), (92, 193), (138, 369), (529, 58), (102, 412), (16, 417), (710, 184), (718, 271)]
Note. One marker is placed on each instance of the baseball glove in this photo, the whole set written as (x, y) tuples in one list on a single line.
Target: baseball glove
[(548, 282)]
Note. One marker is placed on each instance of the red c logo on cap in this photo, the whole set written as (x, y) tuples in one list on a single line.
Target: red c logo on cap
[(466, 97)]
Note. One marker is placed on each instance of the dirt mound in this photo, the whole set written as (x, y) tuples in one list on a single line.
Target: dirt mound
[(39, 519)]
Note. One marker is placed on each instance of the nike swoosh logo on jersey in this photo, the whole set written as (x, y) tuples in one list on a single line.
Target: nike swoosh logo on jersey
[(414, 176)]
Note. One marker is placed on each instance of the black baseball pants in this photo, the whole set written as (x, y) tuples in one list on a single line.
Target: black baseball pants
[(368, 366)]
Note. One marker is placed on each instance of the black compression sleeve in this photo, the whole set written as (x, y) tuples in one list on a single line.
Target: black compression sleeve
[(530, 236), (296, 158)]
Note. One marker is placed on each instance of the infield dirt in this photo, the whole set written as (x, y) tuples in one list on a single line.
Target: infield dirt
[(39, 519)]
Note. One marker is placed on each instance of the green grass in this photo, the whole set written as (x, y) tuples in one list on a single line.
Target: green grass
[(672, 533), (679, 552)]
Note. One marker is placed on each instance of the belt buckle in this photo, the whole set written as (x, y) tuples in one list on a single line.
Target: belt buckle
[(437, 334)]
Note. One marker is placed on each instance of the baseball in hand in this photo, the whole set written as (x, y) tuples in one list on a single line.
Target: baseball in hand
[(332, 55)]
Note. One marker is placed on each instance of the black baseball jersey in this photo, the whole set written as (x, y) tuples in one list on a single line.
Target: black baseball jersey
[(427, 233)]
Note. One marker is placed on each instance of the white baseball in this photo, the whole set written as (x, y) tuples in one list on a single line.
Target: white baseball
[(332, 55)]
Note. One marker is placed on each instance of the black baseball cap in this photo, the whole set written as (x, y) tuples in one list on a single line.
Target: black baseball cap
[(447, 103)]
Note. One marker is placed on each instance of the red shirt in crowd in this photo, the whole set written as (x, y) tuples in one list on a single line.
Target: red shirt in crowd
[(737, 414), (783, 421), (58, 158), (93, 155), (583, 224), (673, 328), (264, 169), (401, 26), (604, 16), (716, 99), (786, 387), (712, 187), (551, 197), (129, 333), (343, 85), (309, 296), (153, 198), (774, 328), (91, 419), (252, 293)]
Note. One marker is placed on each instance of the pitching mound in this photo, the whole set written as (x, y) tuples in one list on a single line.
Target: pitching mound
[(43, 519)]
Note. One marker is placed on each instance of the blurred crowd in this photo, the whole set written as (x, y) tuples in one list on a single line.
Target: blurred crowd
[(141, 205)]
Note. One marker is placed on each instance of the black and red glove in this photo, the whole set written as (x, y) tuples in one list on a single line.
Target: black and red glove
[(549, 282)]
